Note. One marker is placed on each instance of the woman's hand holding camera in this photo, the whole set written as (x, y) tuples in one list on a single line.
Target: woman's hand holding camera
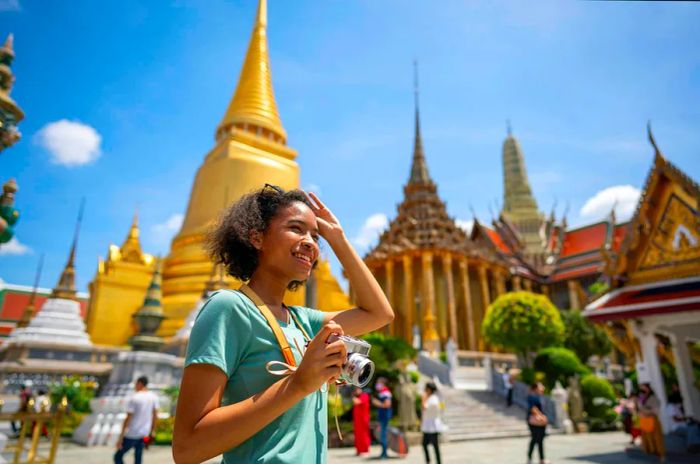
[(322, 361)]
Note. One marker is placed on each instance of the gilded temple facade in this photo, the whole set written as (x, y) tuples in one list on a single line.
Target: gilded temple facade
[(117, 290), (438, 280)]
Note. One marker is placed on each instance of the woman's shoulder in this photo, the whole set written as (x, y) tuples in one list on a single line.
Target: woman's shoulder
[(225, 303)]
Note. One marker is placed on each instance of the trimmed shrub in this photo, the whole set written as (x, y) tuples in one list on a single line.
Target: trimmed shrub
[(558, 364), (599, 401), (523, 322)]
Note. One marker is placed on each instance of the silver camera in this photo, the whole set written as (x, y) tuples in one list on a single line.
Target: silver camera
[(358, 368)]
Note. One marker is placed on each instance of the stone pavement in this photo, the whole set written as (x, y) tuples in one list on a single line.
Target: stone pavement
[(598, 448)]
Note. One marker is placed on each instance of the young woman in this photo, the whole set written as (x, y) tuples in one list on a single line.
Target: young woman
[(231, 402), (431, 424), (536, 421)]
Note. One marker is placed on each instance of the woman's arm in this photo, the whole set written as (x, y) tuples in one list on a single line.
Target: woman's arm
[(204, 429), (374, 310)]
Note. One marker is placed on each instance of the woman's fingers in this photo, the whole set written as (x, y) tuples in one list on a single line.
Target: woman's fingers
[(317, 200)]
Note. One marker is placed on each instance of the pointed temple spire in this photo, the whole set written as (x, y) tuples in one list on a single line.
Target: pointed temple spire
[(419, 167), (65, 288), (517, 192), (149, 317), (131, 248), (253, 107), (30, 309), (652, 140)]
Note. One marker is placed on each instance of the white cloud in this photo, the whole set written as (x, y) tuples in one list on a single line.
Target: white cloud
[(70, 143), (9, 5), (467, 226), (162, 233), (623, 197), (370, 230), (14, 247)]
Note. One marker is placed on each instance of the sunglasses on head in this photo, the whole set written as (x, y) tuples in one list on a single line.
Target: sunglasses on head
[(273, 187)]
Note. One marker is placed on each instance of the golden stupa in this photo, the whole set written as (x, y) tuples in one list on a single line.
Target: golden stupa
[(250, 150)]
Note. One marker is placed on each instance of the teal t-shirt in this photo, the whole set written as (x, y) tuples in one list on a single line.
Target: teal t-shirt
[(231, 334)]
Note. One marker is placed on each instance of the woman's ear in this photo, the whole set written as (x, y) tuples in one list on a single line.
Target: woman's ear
[(256, 239)]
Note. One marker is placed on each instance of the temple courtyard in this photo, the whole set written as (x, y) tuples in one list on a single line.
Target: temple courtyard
[(597, 448)]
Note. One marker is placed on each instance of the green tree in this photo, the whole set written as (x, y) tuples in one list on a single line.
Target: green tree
[(523, 322), (583, 338), (558, 363), (386, 350)]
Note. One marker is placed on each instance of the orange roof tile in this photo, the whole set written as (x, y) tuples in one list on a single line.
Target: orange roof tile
[(583, 240), (497, 240), (619, 235)]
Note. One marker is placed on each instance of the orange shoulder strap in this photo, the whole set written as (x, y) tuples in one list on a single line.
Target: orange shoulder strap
[(272, 322)]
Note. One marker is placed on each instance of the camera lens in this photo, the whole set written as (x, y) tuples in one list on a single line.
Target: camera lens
[(365, 374)]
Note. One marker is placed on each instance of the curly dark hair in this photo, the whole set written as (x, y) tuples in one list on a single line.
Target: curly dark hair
[(229, 240)]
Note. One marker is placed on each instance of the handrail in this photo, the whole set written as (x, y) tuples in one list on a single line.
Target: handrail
[(35, 420)]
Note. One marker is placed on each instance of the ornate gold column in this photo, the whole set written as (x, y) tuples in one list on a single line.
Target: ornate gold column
[(464, 276), (431, 340), (500, 282), (517, 284), (408, 297), (485, 299), (389, 289), (573, 295), (528, 285), (451, 306)]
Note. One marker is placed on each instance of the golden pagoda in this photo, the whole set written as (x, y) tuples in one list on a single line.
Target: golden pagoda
[(434, 277), (250, 150), (519, 205), (118, 289)]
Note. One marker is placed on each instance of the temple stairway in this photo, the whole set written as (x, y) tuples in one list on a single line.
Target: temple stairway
[(473, 413)]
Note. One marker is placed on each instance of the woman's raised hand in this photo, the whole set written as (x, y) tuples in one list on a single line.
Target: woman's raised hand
[(322, 361), (328, 225)]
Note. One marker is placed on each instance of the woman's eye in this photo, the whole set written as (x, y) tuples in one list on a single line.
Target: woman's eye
[(295, 228), (315, 237)]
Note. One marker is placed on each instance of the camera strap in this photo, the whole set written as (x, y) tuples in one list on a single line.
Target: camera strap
[(274, 325)]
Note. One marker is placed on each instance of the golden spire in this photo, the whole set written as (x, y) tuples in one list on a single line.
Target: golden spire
[(30, 309), (419, 168), (253, 107), (131, 248), (65, 288)]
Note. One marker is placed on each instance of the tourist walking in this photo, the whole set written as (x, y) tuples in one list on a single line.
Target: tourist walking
[(508, 384), (25, 394), (140, 423), (360, 421), (649, 409), (254, 386), (431, 423), (536, 421), (383, 404)]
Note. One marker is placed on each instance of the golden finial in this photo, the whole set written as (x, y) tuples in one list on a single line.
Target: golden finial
[(65, 288), (652, 140), (253, 106)]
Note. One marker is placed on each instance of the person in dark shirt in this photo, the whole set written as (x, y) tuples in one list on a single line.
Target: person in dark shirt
[(536, 421), (383, 404)]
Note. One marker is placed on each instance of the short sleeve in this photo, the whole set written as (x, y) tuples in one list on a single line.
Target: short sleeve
[(156, 402), (130, 409), (314, 317), (220, 333)]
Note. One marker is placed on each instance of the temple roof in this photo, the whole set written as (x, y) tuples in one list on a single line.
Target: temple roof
[(422, 221), (253, 103)]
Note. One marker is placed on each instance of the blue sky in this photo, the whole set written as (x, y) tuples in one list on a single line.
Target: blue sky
[(127, 95)]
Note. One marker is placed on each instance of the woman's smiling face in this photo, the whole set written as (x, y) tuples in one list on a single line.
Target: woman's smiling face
[(289, 246)]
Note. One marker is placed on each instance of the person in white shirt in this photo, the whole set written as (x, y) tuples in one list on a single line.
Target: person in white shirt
[(431, 424), (140, 422), (508, 384)]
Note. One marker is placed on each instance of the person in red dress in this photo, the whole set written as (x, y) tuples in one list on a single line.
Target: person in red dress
[(360, 419)]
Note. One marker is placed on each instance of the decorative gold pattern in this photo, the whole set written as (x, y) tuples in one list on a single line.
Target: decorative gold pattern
[(676, 238)]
